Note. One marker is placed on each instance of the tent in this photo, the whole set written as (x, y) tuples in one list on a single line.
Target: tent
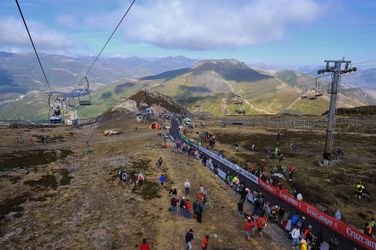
[(154, 125)]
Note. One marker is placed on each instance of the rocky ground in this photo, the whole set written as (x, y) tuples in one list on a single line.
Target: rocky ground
[(66, 194)]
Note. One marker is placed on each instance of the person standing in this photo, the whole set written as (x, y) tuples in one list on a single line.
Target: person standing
[(173, 192), (198, 212), (173, 203), (144, 245), (295, 234), (187, 186), (134, 178), (162, 180), (240, 207), (291, 172), (182, 206), (303, 244), (205, 242), (247, 228), (261, 223), (338, 215), (140, 179), (188, 238), (187, 209)]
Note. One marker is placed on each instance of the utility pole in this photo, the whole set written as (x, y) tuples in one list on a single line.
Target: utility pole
[(334, 67)]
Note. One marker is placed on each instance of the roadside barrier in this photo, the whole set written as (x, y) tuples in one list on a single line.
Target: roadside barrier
[(349, 237)]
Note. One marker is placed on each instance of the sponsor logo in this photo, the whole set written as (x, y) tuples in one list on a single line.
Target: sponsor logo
[(289, 199), (320, 216), (359, 237), (267, 187)]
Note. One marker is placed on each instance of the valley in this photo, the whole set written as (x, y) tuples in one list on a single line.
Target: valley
[(220, 87)]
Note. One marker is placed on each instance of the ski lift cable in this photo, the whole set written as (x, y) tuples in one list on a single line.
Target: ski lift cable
[(108, 40), (364, 62), (35, 50)]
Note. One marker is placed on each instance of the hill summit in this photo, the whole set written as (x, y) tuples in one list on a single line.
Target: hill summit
[(229, 69), (226, 69), (150, 98)]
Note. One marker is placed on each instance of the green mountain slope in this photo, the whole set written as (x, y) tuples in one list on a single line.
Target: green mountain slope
[(221, 87)]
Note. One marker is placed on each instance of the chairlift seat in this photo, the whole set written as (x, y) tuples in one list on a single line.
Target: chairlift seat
[(85, 102)]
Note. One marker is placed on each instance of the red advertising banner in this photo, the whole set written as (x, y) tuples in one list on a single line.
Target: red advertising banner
[(338, 226)]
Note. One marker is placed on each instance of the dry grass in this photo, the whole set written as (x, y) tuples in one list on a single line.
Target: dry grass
[(330, 188), (83, 206)]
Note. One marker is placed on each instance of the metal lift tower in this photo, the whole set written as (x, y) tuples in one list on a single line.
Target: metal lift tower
[(337, 68)]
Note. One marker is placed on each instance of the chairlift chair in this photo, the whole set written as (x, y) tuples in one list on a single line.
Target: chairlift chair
[(84, 97), (56, 110)]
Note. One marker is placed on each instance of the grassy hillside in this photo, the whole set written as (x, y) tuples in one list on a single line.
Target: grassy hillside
[(108, 97), (315, 107), (215, 86), (33, 107)]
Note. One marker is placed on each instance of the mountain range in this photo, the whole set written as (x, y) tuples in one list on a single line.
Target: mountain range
[(221, 87), (20, 73)]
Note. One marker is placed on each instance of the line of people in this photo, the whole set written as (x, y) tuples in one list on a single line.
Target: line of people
[(297, 229), (184, 203)]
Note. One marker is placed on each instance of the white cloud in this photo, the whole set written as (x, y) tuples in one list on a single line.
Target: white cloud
[(13, 34), (67, 21), (211, 24)]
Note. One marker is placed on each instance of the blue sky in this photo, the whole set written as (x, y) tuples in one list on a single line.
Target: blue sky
[(281, 32)]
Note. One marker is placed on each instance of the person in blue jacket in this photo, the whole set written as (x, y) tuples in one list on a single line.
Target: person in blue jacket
[(162, 180)]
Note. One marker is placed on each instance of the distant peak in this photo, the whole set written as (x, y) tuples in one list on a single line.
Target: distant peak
[(218, 62)]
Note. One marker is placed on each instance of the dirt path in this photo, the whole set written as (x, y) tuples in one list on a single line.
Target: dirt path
[(226, 110), (219, 217)]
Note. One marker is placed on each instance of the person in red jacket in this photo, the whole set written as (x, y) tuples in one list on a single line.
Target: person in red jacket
[(291, 172), (187, 209), (249, 225), (205, 242), (144, 245), (261, 223)]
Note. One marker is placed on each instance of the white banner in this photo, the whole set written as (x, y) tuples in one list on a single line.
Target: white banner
[(221, 174)]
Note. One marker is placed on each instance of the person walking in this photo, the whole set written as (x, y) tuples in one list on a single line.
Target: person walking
[(162, 180), (140, 179), (144, 245), (173, 192), (291, 172), (159, 163), (198, 212), (174, 203), (123, 176), (261, 223), (187, 209), (240, 208), (247, 228), (134, 178), (338, 215), (303, 244), (295, 234), (182, 206), (187, 186), (204, 243), (188, 238)]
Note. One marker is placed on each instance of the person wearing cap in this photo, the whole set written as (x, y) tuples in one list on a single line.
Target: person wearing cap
[(188, 238)]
